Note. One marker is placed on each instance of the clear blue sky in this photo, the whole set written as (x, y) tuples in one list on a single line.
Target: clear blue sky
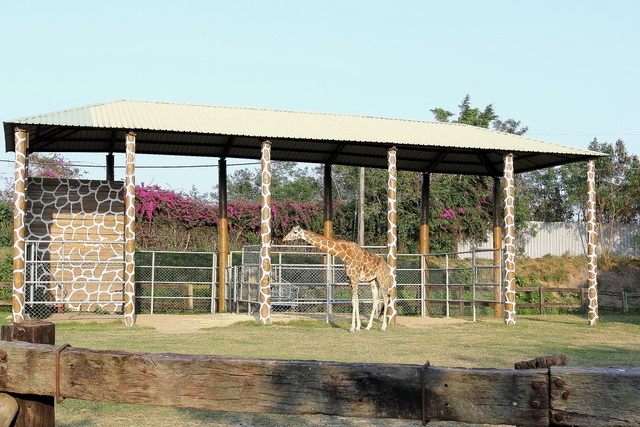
[(568, 70)]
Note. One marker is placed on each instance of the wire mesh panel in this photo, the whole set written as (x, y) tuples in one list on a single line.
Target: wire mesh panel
[(304, 280), (176, 282), (409, 274), (64, 276), (243, 288), (462, 283)]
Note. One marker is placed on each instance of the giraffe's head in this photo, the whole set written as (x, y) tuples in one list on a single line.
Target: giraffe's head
[(296, 233)]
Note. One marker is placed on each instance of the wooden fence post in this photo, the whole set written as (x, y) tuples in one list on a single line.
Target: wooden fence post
[(34, 410)]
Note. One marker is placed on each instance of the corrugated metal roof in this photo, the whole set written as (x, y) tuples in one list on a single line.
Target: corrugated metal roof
[(215, 131)]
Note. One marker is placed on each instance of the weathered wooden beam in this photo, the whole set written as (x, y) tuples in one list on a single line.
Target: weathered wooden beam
[(488, 396), (280, 386), (35, 409), (595, 396)]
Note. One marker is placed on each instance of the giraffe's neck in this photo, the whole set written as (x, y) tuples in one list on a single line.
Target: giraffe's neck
[(323, 243)]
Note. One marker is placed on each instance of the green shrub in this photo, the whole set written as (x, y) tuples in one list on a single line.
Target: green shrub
[(6, 268)]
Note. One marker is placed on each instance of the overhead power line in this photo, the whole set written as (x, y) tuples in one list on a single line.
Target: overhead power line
[(81, 165)]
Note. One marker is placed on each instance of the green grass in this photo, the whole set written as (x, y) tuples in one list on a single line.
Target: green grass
[(488, 343)]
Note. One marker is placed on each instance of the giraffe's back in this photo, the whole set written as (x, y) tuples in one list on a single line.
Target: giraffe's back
[(365, 265)]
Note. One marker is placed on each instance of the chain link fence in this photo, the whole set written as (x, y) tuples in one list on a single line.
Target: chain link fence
[(465, 284), (72, 276), (304, 280), (176, 282)]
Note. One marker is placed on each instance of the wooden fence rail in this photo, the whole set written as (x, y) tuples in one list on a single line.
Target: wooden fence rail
[(556, 395), (625, 299), (543, 304)]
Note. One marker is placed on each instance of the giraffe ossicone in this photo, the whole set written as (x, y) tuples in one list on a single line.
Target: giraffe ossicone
[(360, 266)]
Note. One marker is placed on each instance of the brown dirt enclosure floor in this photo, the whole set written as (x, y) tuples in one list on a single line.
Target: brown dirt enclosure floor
[(180, 324)]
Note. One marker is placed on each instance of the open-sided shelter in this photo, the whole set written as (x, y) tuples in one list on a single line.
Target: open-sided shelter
[(131, 127)]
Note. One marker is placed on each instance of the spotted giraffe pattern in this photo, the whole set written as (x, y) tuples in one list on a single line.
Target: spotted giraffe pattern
[(592, 237), (74, 234), (509, 242), (392, 229), (129, 232), (360, 266), (19, 231), (264, 297)]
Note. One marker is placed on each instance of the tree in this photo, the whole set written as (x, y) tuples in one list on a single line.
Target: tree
[(617, 191), (461, 205), (47, 165), (544, 195), (52, 166), (289, 181), (375, 213), (460, 210), (483, 119), (40, 165), (509, 126), (6, 223), (468, 115)]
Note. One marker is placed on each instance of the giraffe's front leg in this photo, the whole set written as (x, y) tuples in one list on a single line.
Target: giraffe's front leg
[(355, 309), (376, 301)]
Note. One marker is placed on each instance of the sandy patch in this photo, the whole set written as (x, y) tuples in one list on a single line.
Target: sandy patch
[(181, 324), (175, 324)]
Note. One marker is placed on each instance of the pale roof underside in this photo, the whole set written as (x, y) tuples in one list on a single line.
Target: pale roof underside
[(228, 132)]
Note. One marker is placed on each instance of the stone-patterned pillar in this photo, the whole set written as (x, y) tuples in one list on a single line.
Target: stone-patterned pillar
[(19, 229), (509, 242), (129, 231), (264, 297), (592, 235), (392, 229)]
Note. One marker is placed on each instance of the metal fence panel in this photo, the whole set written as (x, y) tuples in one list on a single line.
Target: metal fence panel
[(176, 282), (304, 280), (73, 276)]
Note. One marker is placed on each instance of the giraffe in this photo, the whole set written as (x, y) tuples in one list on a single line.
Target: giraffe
[(359, 265)]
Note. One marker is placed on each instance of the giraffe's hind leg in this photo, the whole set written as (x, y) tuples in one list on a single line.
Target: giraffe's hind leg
[(386, 298), (376, 302), (355, 308), (385, 315)]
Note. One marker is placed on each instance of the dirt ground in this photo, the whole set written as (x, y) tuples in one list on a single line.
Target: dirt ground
[(180, 324)]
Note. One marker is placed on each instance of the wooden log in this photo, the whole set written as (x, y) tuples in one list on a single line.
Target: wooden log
[(33, 332), (35, 409), (595, 396), (8, 409), (280, 386), (542, 362)]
